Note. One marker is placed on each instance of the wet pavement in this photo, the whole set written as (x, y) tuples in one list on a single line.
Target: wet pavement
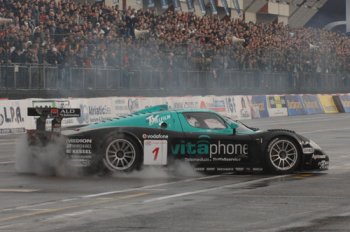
[(157, 199)]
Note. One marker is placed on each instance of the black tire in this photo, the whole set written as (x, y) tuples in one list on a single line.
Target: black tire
[(282, 156), (121, 153)]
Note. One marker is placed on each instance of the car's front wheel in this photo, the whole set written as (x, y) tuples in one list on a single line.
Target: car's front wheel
[(282, 156), (121, 153)]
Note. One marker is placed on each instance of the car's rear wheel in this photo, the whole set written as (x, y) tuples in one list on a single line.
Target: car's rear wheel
[(282, 156), (121, 154)]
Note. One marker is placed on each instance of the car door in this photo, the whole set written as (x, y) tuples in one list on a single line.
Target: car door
[(209, 139)]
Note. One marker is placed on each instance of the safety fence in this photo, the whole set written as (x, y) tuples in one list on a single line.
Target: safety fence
[(159, 82)]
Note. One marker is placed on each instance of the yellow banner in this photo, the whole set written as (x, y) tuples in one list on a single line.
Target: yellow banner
[(327, 103)]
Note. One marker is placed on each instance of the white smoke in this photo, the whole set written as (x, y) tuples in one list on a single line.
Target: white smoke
[(50, 160), (41, 160), (177, 168)]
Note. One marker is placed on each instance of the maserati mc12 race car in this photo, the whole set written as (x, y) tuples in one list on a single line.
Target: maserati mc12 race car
[(207, 140)]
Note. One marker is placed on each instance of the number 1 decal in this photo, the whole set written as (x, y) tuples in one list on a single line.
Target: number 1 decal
[(155, 152)]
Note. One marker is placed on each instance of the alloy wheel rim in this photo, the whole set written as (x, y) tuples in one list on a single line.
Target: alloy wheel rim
[(120, 154), (283, 155)]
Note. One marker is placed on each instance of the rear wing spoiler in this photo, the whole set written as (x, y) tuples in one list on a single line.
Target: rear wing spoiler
[(54, 112)]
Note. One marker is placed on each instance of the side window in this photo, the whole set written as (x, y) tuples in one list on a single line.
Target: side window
[(213, 123), (193, 121), (204, 120)]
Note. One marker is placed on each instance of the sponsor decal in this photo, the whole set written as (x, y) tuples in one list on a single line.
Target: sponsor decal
[(210, 150), (79, 150), (77, 160), (319, 156), (67, 112), (79, 141), (323, 164), (157, 119), (155, 152), (154, 136)]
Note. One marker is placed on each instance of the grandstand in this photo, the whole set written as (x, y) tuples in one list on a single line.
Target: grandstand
[(80, 48)]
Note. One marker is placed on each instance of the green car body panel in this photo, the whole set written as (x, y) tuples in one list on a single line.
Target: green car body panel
[(153, 117)]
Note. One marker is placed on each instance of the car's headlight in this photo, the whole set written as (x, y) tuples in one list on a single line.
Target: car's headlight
[(315, 145)]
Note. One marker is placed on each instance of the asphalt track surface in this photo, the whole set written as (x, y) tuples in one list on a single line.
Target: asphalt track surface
[(181, 200)]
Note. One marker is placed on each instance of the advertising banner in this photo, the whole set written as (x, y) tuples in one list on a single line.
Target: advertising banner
[(345, 102), (338, 103), (100, 109), (242, 107), (311, 104), (258, 106), (183, 102), (277, 105), (13, 116), (83, 105), (295, 105), (213, 103), (231, 107), (327, 103)]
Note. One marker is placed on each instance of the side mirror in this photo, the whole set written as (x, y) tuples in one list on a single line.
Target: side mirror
[(233, 127), (163, 125)]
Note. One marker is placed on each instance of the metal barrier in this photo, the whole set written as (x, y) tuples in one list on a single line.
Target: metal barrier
[(158, 82)]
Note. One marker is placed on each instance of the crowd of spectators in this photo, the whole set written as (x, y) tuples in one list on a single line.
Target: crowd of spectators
[(67, 33)]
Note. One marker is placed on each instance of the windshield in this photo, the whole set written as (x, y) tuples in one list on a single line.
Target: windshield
[(242, 128)]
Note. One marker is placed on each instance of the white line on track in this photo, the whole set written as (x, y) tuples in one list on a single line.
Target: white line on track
[(211, 189), (107, 193), (148, 186), (2, 144), (6, 162), (70, 215), (7, 140)]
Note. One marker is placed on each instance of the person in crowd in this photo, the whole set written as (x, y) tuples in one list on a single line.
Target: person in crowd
[(70, 33)]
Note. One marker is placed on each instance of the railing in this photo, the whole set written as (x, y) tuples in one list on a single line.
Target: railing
[(77, 81)]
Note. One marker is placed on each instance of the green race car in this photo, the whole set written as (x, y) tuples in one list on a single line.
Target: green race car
[(204, 138)]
